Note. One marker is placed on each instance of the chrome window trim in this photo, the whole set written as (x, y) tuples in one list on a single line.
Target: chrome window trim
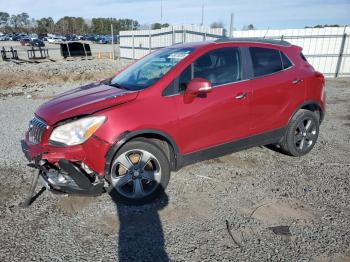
[(214, 87), (257, 77)]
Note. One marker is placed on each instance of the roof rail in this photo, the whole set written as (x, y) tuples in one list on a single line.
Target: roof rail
[(253, 39)]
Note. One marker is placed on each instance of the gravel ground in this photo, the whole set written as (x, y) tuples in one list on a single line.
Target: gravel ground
[(278, 208), (16, 78)]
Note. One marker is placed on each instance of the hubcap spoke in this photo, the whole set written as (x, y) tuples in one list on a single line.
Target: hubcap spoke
[(145, 158), (308, 125), (298, 137), (125, 161), (123, 180), (310, 135), (302, 142), (149, 175), (302, 127), (138, 188)]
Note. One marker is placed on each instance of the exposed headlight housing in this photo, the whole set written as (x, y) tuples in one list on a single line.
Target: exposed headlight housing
[(76, 132)]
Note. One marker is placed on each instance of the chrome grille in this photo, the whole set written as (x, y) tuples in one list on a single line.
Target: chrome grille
[(37, 128)]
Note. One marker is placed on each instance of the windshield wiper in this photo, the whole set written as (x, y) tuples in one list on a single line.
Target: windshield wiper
[(118, 86)]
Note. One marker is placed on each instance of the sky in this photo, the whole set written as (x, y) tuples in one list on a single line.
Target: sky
[(274, 14)]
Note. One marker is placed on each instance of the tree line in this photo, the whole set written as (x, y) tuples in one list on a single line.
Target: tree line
[(66, 25)]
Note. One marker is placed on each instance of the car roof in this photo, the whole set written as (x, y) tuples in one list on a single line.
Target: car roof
[(253, 40), (245, 40)]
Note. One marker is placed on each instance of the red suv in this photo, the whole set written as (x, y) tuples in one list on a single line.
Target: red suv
[(177, 106)]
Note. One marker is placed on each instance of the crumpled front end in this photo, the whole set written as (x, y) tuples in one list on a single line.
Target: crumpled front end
[(75, 169)]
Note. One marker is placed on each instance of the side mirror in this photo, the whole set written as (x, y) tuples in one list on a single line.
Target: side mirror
[(195, 88), (198, 86)]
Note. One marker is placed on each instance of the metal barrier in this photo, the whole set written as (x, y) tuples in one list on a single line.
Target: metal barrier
[(40, 53), (136, 44), (327, 49), (339, 56), (75, 49), (12, 51)]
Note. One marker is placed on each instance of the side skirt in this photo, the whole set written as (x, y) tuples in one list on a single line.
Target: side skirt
[(231, 147)]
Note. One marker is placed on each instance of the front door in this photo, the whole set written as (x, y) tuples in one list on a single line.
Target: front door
[(218, 117)]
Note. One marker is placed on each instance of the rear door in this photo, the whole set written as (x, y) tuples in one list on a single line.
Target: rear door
[(221, 115), (277, 89)]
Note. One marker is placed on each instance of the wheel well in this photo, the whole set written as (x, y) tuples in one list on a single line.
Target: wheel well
[(162, 142), (314, 108)]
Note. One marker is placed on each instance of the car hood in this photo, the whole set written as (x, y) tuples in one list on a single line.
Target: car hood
[(83, 100)]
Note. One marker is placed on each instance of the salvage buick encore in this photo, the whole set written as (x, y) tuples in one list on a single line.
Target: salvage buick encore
[(176, 106)]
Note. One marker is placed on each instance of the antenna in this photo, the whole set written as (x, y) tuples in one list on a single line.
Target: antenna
[(161, 11), (231, 26), (266, 31), (202, 14)]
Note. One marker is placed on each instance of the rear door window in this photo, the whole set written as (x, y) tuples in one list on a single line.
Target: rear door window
[(285, 61), (265, 61)]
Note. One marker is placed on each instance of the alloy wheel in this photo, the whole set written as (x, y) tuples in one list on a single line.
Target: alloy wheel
[(136, 173), (305, 134)]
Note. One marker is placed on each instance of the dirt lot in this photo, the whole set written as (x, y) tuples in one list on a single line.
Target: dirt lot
[(254, 192)]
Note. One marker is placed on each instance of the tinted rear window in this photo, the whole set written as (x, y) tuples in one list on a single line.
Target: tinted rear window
[(265, 61), (286, 62)]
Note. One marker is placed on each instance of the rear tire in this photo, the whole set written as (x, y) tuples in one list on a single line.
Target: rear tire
[(302, 133), (140, 172)]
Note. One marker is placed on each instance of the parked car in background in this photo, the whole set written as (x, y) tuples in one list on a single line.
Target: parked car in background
[(71, 38), (37, 43), (16, 37), (81, 37), (91, 38), (55, 40), (178, 105), (25, 41), (3, 38), (33, 36), (102, 40), (42, 37)]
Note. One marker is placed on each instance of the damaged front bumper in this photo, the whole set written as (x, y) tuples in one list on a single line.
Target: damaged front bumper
[(64, 177)]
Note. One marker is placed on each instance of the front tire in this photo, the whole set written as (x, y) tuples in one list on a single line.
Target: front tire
[(302, 133), (140, 172)]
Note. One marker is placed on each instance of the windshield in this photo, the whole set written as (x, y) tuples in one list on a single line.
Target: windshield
[(150, 69)]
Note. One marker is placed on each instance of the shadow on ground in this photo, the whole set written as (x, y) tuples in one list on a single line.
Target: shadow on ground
[(141, 236)]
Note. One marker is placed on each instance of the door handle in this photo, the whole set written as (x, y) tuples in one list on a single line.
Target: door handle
[(241, 96), (297, 81)]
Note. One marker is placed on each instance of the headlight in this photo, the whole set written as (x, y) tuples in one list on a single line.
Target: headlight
[(78, 131)]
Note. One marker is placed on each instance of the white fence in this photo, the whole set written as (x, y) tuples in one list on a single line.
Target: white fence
[(136, 44), (327, 49)]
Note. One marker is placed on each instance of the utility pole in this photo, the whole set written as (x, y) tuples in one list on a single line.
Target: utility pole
[(202, 15), (113, 54), (231, 26), (161, 11)]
